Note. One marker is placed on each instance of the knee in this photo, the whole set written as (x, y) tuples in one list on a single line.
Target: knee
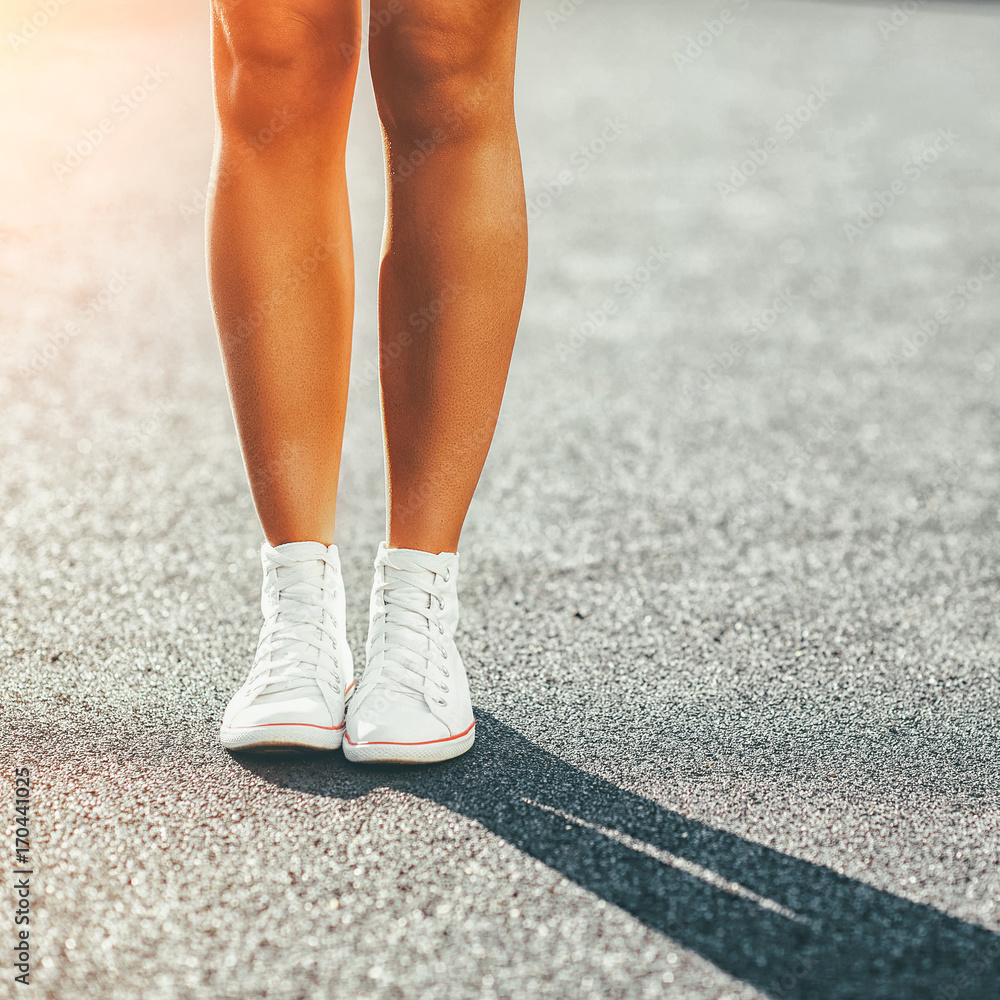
[(283, 63), (442, 71)]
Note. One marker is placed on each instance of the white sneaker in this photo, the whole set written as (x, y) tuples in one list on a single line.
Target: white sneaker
[(303, 672), (412, 705)]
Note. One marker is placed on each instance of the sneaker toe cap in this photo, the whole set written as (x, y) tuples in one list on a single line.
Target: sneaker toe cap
[(396, 723), (300, 709)]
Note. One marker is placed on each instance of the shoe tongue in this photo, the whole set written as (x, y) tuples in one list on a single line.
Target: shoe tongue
[(307, 555), (417, 559), (302, 550)]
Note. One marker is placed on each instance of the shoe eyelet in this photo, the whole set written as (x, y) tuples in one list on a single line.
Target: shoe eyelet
[(446, 671), (441, 701), (444, 687)]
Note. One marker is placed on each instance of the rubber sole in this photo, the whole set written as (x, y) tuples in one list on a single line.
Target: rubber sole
[(285, 737), (281, 738), (410, 753)]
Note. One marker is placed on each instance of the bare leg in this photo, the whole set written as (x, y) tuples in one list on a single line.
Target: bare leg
[(280, 255), (454, 254)]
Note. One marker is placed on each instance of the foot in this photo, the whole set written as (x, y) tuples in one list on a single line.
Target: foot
[(303, 673), (412, 704)]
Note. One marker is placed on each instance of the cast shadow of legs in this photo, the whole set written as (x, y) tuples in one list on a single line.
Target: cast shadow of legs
[(790, 928)]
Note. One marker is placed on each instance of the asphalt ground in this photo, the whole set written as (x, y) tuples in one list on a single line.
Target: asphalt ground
[(729, 582)]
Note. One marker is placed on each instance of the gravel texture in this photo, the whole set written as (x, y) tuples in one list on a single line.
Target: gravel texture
[(729, 591)]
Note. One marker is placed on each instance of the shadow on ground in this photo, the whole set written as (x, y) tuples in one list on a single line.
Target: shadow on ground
[(792, 929)]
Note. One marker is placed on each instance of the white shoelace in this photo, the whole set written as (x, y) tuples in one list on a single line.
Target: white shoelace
[(411, 619), (302, 631)]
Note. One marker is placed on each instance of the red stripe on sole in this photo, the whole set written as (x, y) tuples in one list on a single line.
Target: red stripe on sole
[(300, 725), (423, 743)]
